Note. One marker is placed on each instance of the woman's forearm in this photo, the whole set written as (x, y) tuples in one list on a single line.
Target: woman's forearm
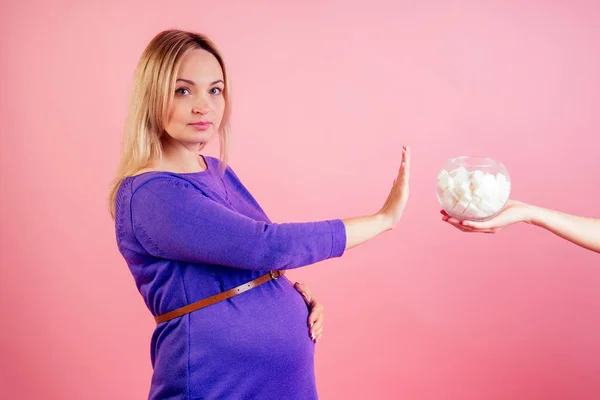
[(582, 231), (363, 229)]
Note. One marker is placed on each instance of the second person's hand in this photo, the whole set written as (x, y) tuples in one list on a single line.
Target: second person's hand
[(513, 212)]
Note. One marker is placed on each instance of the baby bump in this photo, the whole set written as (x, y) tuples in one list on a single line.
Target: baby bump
[(258, 334)]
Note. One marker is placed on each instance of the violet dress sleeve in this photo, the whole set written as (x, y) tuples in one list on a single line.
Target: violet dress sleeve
[(173, 220)]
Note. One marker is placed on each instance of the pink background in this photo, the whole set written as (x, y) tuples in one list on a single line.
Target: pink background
[(325, 94)]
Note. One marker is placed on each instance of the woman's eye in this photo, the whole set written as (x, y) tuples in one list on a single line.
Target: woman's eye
[(215, 90), (182, 91)]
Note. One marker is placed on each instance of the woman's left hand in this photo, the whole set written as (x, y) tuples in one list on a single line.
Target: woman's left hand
[(515, 211), (317, 313)]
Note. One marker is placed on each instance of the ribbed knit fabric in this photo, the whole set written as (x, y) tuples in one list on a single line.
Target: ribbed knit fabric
[(187, 236)]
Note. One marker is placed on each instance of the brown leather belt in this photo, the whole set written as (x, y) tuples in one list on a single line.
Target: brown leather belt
[(219, 297)]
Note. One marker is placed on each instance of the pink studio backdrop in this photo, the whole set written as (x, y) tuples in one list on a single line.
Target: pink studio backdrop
[(325, 94)]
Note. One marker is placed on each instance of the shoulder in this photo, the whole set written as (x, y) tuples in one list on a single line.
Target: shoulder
[(158, 182), (162, 195)]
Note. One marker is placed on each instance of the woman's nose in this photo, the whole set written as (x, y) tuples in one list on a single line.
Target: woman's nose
[(201, 106)]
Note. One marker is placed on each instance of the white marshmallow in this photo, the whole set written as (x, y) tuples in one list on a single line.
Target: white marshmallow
[(503, 196), (487, 207), (504, 186), (452, 193), (442, 174), (448, 202), (462, 187), (440, 192), (461, 206), (477, 177), (460, 174), (445, 182), (447, 199), (475, 201), (475, 194), (473, 211), (467, 196), (497, 204)]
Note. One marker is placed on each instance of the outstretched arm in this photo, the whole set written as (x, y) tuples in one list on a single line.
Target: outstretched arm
[(582, 231)]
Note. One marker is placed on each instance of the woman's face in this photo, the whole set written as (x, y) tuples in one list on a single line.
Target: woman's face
[(198, 105)]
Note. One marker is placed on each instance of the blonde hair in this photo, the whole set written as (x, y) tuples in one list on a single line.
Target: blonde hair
[(152, 95)]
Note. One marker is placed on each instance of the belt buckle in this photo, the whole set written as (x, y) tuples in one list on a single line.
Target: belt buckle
[(273, 276)]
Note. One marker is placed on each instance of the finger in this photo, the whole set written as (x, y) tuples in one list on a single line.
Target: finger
[(317, 326), (402, 177), (454, 221), (457, 224), (480, 225), (305, 292), (400, 169), (405, 159), (406, 165), (316, 314), (318, 336), (469, 229)]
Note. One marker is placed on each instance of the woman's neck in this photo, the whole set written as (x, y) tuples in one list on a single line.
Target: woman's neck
[(180, 158)]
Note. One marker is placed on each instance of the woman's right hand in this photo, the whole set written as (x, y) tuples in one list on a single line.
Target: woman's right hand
[(396, 201)]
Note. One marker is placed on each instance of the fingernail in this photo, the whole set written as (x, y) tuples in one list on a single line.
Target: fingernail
[(311, 324)]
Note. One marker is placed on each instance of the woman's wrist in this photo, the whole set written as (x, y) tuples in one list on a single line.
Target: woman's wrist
[(534, 215), (383, 221)]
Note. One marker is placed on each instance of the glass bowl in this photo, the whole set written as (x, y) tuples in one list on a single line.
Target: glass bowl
[(473, 188)]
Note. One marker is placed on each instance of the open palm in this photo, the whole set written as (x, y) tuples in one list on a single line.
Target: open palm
[(514, 211)]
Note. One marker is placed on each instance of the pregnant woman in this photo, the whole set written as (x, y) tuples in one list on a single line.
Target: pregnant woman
[(205, 257)]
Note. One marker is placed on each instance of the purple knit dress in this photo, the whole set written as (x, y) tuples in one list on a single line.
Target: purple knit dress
[(188, 236)]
